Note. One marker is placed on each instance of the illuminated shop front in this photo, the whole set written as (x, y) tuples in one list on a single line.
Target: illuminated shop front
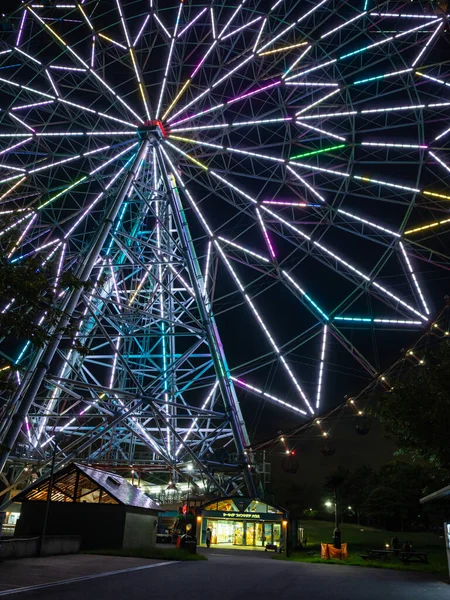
[(243, 522)]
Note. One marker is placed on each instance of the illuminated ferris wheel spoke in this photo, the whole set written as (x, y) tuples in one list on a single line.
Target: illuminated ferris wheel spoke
[(266, 235), (289, 27), (109, 39), (294, 64), (84, 15), (160, 23), (169, 58), (254, 310), (434, 79), (212, 86), (82, 62), (441, 162), (63, 101), (270, 397), (387, 40), (191, 23), (345, 24), (246, 250), (321, 366), (334, 92), (306, 298), (73, 185), (216, 39), (4, 195), (264, 328), (402, 15), (252, 22), (213, 23), (232, 124), (425, 47), (414, 278), (136, 68), (335, 256)]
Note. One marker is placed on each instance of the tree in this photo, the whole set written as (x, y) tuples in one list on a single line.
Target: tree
[(358, 485), (417, 410), (407, 481), (29, 290)]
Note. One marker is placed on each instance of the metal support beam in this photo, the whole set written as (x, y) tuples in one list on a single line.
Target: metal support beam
[(25, 398)]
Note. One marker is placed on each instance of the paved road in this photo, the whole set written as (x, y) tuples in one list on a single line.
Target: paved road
[(230, 576)]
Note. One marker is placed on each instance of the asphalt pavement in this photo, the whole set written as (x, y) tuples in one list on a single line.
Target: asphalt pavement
[(241, 576)]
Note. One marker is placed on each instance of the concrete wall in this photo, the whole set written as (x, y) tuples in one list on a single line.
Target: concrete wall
[(99, 525), (26, 547), (140, 530)]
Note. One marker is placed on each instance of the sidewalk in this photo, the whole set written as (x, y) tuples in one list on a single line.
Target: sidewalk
[(50, 569)]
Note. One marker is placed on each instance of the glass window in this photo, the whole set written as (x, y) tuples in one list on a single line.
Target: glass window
[(273, 509), (268, 533), (276, 533), (256, 506), (227, 506)]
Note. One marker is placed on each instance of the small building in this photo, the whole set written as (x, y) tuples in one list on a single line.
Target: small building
[(239, 521), (439, 495), (101, 507)]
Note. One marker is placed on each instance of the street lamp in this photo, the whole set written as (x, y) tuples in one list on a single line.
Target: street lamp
[(54, 447), (329, 504)]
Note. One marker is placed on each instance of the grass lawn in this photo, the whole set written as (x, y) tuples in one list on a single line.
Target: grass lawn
[(159, 553), (360, 539)]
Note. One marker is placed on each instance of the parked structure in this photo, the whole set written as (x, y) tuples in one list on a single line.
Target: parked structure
[(442, 494), (102, 507)]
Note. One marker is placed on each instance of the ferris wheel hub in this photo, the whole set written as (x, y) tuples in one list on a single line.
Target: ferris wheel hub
[(152, 130)]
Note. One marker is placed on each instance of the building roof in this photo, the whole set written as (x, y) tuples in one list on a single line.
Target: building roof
[(81, 483), (243, 504), (119, 488), (438, 495)]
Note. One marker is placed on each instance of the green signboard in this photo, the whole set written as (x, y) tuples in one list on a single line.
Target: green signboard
[(244, 516)]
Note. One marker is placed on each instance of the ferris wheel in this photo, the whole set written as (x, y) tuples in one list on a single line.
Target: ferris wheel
[(258, 195)]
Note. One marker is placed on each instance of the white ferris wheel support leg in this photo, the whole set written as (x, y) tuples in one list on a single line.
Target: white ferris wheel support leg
[(212, 335)]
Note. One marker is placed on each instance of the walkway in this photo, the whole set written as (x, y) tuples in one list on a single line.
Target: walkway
[(229, 575)]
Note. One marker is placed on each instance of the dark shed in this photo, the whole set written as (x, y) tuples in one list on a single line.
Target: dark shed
[(102, 507)]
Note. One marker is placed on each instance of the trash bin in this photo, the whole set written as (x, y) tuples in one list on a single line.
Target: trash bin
[(188, 543)]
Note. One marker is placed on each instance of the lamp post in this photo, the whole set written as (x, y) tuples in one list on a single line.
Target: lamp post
[(49, 498), (329, 504)]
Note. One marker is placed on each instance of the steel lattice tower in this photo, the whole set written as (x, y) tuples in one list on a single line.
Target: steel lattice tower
[(168, 399)]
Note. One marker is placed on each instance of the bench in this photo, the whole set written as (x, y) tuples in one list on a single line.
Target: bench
[(408, 557), (378, 553)]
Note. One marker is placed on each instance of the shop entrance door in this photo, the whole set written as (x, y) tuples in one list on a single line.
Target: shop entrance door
[(250, 534), (259, 535), (238, 537)]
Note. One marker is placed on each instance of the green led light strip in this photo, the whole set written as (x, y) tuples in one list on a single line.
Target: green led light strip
[(318, 151)]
